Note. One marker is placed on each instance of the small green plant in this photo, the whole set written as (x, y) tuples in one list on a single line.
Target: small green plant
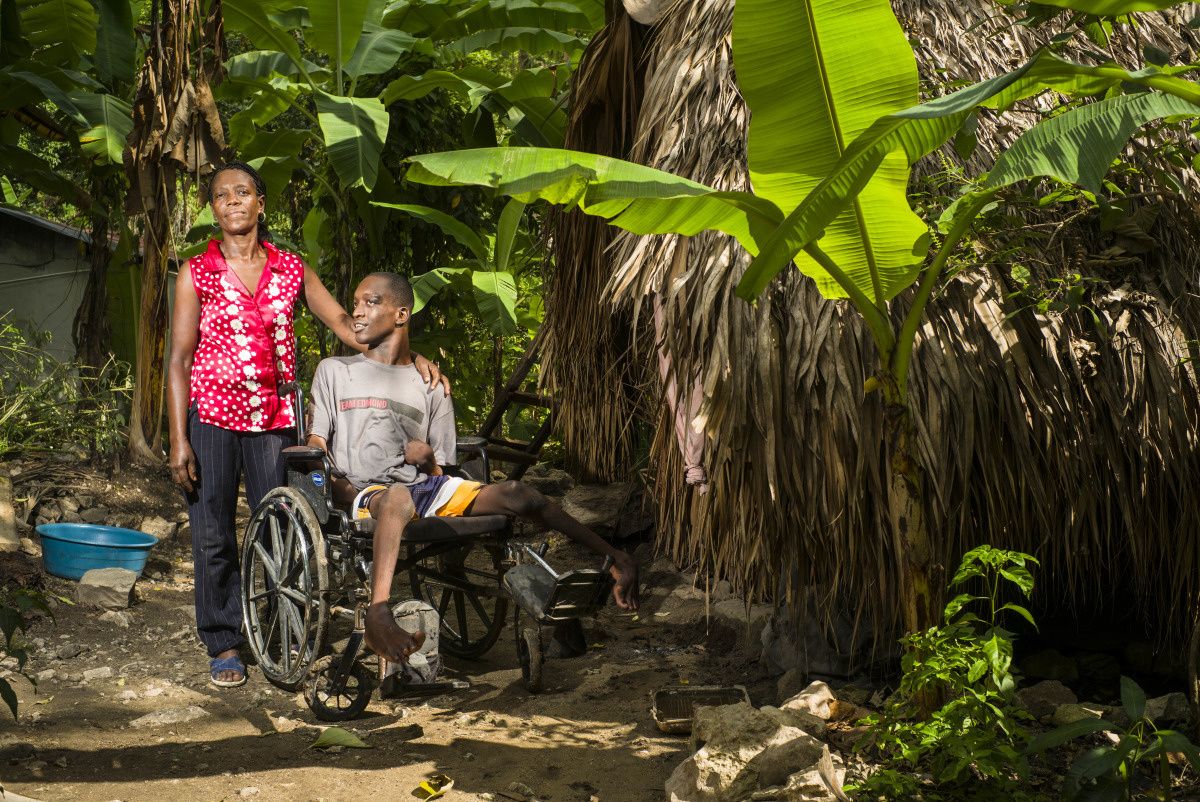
[(47, 404), (16, 608), (970, 745), (1106, 773)]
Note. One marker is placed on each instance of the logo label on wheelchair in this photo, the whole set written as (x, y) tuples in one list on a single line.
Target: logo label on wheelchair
[(318, 478)]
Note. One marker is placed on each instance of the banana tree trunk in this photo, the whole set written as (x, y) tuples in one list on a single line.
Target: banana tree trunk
[(920, 583), (90, 331), (145, 420)]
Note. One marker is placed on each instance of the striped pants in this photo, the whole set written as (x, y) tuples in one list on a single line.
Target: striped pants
[(222, 456)]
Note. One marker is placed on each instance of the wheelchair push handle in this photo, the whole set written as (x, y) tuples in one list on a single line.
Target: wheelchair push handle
[(283, 390)]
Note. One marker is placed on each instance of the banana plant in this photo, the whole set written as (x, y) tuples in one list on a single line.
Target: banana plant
[(487, 276), (835, 127)]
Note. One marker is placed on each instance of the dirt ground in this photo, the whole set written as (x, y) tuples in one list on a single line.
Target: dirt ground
[(589, 736)]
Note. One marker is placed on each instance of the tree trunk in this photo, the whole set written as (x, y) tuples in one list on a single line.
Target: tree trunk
[(90, 331), (145, 420), (920, 579)]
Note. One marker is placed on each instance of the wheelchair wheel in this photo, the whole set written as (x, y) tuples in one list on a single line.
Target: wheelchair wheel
[(331, 700), (463, 585), (285, 587), (531, 652)]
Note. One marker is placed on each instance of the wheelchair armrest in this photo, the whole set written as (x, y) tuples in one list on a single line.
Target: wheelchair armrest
[(474, 445), (303, 454)]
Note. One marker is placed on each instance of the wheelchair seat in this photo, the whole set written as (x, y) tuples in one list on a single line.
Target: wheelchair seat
[(440, 530)]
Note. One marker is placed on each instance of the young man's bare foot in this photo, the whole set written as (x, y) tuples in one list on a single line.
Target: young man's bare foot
[(385, 637)]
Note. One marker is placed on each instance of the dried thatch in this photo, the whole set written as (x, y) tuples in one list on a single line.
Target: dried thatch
[(1037, 432)]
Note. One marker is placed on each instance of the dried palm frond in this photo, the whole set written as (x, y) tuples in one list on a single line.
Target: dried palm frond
[(1071, 435)]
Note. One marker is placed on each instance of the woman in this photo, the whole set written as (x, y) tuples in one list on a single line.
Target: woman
[(232, 347)]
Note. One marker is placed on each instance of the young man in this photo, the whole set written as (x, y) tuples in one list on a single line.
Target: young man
[(386, 435)]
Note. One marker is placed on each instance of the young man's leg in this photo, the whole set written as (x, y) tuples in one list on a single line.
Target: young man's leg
[(524, 501), (392, 509)]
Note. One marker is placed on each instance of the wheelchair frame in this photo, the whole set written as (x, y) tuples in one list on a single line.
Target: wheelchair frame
[(304, 561)]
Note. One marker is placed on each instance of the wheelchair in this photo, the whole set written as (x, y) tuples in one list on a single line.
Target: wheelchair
[(305, 562)]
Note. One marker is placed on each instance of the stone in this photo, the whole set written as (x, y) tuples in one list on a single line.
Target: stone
[(817, 699), (103, 672), (1070, 713), (161, 528), (45, 675), (1041, 700), (170, 715), (94, 515), (109, 588), (1050, 664), (790, 683), (798, 640), (549, 481), (121, 618), (10, 540), (748, 622), (740, 751), (1172, 711), (249, 790), (597, 507), (31, 548), (68, 650), (68, 504)]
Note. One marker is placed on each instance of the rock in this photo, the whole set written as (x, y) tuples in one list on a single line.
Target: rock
[(94, 515), (520, 788), (127, 695), (1050, 664), (109, 588), (104, 672), (790, 683), (597, 507), (741, 751), (799, 640), (1070, 713), (550, 481), (749, 623), (31, 548), (45, 675), (1042, 699), (9, 539), (249, 790), (820, 783), (1173, 711), (170, 715), (68, 650), (721, 590), (161, 528), (121, 618), (1099, 667), (817, 699), (68, 504)]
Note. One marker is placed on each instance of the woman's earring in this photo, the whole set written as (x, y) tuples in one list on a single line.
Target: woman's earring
[(262, 217)]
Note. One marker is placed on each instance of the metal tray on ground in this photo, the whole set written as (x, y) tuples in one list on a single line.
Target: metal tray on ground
[(675, 707)]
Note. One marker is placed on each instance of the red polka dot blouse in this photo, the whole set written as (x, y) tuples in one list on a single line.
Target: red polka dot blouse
[(246, 347)]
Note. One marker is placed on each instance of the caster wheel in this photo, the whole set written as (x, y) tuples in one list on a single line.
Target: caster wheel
[(530, 651), (331, 700)]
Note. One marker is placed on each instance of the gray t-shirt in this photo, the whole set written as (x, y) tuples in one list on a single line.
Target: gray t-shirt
[(368, 411)]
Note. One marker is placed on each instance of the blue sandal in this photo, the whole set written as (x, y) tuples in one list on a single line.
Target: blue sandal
[(219, 664)]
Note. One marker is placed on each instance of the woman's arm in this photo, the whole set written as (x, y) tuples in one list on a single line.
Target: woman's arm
[(185, 331), (326, 308)]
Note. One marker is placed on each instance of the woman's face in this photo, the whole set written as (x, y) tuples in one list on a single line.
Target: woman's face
[(235, 201)]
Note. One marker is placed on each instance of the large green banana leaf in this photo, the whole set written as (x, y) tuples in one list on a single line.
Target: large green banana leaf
[(498, 14), (1079, 146), (451, 226), (427, 285), (496, 298), (115, 45), (250, 18), (67, 24), (517, 40), (919, 130), (1112, 8), (355, 129), (378, 51), (283, 142), (260, 64), (335, 26), (816, 74), (110, 120), (637, 198)]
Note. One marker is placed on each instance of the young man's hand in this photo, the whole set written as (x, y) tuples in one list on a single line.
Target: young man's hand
[(625, 591)]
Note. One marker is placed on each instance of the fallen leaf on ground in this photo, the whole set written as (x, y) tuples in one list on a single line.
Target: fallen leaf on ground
[(336, 736)]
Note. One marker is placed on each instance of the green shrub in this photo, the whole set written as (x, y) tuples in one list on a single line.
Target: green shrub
[(46, 404), (970, 745)]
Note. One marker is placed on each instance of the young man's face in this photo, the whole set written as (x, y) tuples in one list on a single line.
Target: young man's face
[(377, 312)]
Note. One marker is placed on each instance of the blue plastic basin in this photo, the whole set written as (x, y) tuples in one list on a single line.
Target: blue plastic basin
[(71, 550)]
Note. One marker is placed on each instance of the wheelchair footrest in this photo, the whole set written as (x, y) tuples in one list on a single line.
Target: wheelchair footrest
[(548, 599)]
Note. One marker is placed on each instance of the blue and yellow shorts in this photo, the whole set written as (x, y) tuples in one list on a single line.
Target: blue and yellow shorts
[(437, 496)]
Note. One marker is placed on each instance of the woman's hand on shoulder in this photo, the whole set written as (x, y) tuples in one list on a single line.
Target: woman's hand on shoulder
[(431, 373)]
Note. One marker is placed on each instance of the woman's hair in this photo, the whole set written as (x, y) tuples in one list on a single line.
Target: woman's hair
[(264, 234)]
